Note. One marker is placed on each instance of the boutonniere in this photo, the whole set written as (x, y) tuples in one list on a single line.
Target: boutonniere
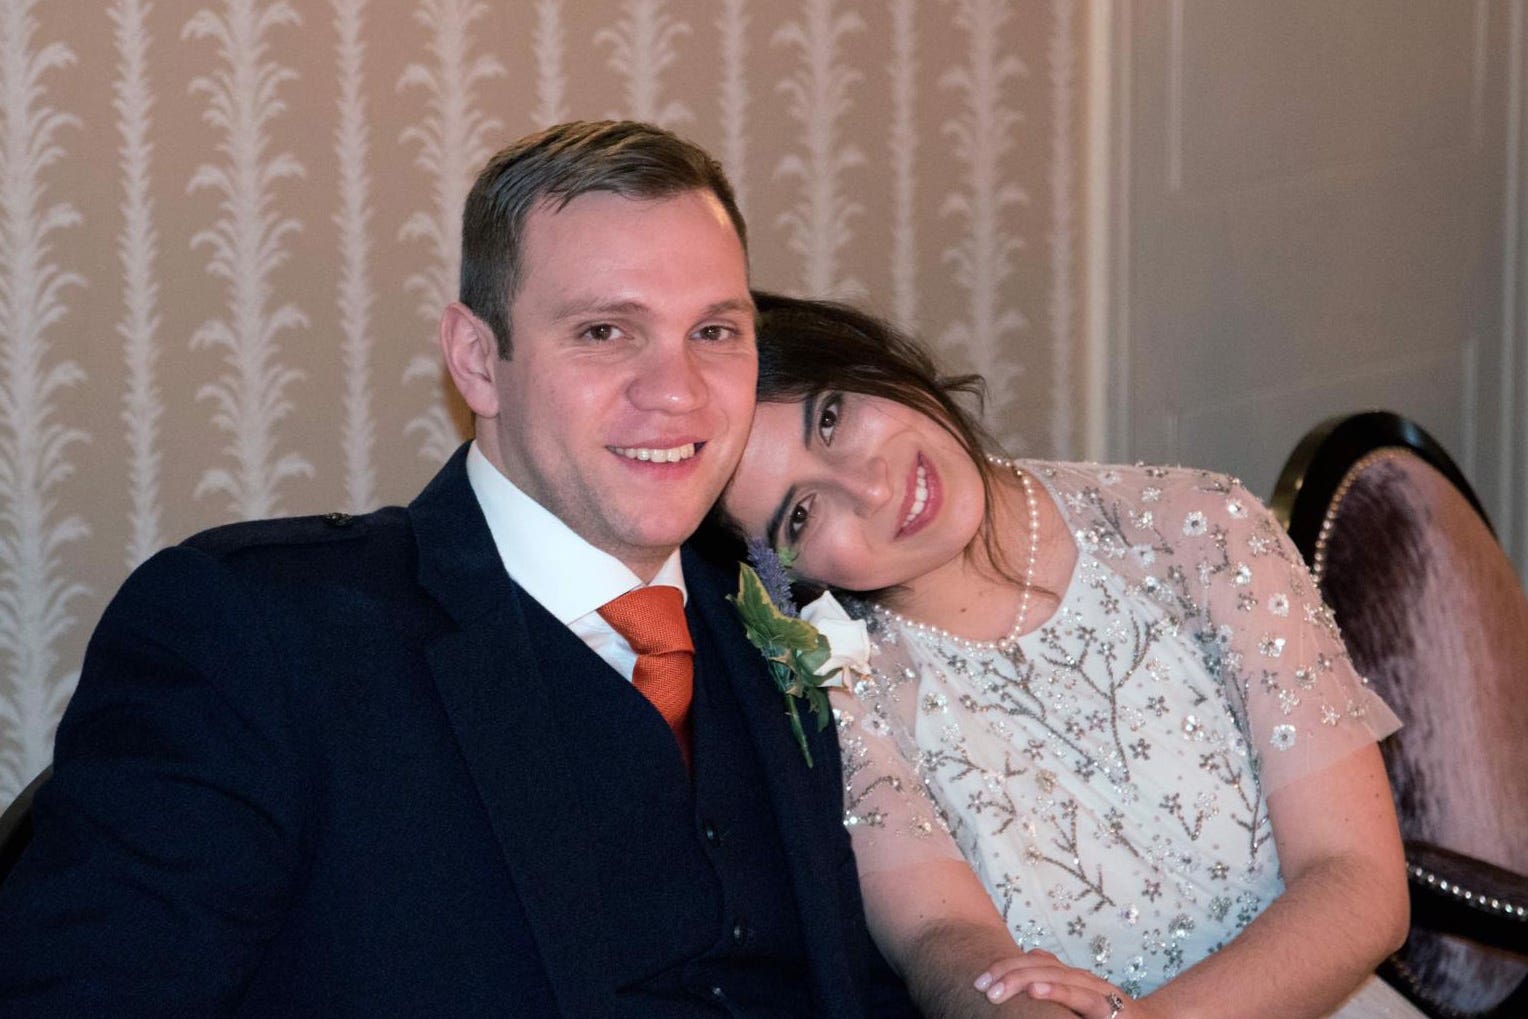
[(808, 651)]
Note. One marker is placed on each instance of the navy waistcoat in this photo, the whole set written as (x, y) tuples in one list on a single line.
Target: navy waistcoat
[(698, 903)]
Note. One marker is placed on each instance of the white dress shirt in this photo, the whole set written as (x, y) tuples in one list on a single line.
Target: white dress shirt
[(567, 575)]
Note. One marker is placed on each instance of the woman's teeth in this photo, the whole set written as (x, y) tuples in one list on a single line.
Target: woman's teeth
[(920, 497), (661, 456)]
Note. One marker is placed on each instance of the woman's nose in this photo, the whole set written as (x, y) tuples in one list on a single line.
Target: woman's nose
[(868, 484)]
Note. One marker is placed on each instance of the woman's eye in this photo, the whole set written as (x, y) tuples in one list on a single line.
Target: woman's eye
[(827, 419), (800, 514)]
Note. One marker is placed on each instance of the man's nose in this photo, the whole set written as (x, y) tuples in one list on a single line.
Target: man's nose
[(668, 379)]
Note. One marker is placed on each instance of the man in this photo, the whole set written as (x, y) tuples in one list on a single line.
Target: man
[(433, 760)]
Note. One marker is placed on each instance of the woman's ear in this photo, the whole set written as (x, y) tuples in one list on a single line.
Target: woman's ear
[(472, 357)]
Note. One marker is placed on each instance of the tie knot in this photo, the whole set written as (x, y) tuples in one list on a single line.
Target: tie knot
[(651, 619)]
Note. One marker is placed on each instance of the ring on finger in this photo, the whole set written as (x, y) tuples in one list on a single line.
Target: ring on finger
[(1116, 1003)]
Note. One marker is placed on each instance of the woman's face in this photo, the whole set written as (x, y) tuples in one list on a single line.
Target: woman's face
[(866, 491)]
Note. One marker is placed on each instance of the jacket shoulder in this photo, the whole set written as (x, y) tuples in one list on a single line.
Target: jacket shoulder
[(318, 529), (330, 549)]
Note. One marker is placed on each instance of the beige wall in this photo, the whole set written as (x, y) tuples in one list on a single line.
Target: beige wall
[(226, 227), (1311, 209), (1175, 229)]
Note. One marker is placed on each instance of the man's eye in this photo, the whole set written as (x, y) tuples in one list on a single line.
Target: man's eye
[(602, 332), (714, 333), (827, 419)]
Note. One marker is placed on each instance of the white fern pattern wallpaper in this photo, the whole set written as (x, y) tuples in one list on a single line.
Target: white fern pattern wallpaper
[(227, 228)]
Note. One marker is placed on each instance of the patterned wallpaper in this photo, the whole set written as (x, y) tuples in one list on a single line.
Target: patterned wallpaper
[(227, 228)]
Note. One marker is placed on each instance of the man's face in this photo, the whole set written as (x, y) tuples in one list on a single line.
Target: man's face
[(626, 402)]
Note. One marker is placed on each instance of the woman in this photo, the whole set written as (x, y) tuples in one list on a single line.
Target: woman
[(1112, 690)]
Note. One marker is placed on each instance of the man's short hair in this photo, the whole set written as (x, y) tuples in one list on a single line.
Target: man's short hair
[(550, 169)]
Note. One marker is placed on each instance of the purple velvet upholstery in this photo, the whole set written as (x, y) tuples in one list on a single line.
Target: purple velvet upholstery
[(1434, 615)]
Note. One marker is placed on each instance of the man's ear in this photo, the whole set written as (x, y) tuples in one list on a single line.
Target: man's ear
[(472, 358)]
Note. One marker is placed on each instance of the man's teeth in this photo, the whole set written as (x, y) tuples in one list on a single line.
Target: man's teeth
[(660, 456), (920, 497)]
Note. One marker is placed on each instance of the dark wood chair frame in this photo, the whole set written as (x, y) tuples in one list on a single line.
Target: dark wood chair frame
[(1451, 893)]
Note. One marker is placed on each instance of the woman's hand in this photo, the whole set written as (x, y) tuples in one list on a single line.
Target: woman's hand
[(1042, 976)]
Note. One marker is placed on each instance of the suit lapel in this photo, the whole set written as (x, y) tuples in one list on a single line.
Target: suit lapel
[(511, 734), (796, 792)]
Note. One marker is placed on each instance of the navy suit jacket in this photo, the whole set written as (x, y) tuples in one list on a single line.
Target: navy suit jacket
[(320, 766)]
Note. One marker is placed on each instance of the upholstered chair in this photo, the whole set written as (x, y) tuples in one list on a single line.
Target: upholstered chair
[(1436, 619)]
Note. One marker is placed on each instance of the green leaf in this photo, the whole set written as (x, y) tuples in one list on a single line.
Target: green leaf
[(809, 660), (769, 629), (752, 600)]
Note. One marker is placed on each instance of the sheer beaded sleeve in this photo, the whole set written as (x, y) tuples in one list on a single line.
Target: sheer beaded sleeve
[(1202, 541), (892, 820)]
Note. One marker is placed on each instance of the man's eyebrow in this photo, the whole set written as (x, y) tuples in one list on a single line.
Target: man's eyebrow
[(736, 304), (579, 307), (808, 415)]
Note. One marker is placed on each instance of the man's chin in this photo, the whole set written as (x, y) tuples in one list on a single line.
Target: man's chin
[(668, 538), (661, 532), (655, 519)]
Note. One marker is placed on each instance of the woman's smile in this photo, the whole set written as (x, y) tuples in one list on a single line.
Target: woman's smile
[(923, 496)]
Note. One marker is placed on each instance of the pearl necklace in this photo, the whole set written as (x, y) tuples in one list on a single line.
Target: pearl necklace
[(1008, 643)]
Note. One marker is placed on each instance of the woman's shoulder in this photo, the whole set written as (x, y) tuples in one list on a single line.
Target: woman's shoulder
[(1144, 503), (1135, 482)]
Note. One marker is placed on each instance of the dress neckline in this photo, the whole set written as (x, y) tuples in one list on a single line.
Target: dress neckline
[(1010, 643)]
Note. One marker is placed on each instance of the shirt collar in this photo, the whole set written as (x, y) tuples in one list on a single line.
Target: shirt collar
[(562, 571)]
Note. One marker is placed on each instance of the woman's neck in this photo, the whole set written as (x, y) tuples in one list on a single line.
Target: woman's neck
[(978, 596)]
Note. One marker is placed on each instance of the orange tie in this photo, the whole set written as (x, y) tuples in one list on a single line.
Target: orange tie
[(652, 621)]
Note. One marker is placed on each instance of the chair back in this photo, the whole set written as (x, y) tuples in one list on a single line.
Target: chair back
[(1434, 615)]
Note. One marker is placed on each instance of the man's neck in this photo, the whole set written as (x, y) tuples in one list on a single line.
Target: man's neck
[(645, 567), (556, 565)]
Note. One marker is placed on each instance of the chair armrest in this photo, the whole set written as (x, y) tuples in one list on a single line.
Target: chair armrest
[(1452, 893)]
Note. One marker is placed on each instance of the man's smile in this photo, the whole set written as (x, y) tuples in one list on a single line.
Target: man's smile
[(672, 454)]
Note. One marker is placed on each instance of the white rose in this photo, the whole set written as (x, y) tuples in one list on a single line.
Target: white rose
[(848, 641)]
